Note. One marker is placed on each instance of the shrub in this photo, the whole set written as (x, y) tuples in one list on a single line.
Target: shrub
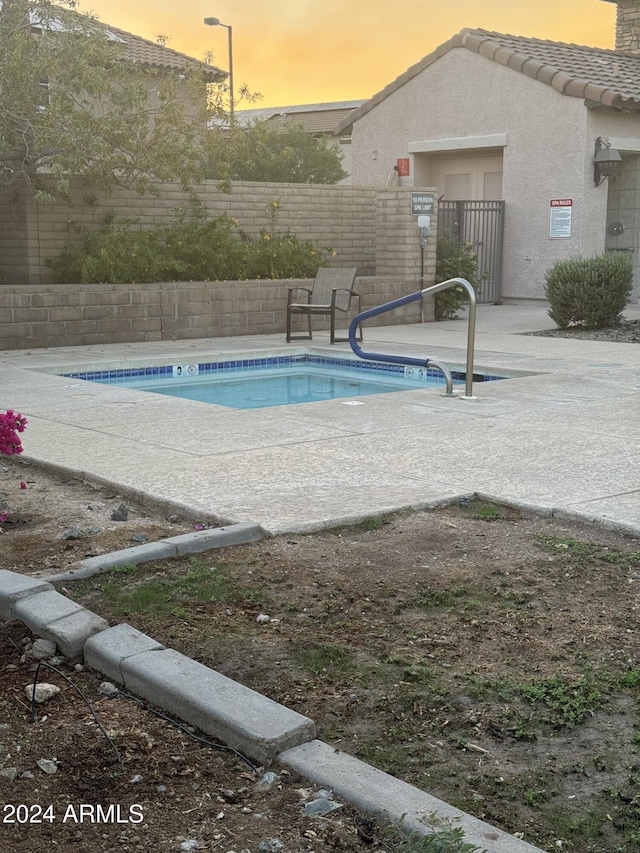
[(454, 259), (282, 256), (589, 292), (203, 249), (112, 255), (193, 248)]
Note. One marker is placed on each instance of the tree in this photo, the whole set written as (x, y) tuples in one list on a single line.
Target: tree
[(262, 152), (72, 103)]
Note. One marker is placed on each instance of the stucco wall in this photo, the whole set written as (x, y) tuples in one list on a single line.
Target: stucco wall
[(548, 153)]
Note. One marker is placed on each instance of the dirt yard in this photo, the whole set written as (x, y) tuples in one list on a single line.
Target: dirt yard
[(488, 657)]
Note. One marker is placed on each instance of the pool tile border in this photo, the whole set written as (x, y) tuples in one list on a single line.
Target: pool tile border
[(231, 366)]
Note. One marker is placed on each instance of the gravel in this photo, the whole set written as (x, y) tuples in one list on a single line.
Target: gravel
[(627, 332)]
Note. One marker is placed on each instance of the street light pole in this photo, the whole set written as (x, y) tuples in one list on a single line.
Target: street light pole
[(216, 22)]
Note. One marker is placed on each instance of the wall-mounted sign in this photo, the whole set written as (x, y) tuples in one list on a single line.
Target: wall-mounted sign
[(423, 203), (560, 212), (403, 166)]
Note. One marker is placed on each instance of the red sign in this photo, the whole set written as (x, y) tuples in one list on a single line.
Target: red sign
[(403, 167), (561, 202)]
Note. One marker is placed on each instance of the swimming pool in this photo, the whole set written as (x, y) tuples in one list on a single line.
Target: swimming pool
[(266, 381)]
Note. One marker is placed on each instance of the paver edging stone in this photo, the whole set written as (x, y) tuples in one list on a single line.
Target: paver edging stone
[(217, 705), (375, 792), (163, 549)]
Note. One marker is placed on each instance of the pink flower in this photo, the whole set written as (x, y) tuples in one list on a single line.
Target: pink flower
[(3, 517), (23, 485), (10, 425)]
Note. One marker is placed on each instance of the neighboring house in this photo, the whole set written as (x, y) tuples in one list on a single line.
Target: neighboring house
[(488, 116), (138, 49), (155, 55), (317, 119)]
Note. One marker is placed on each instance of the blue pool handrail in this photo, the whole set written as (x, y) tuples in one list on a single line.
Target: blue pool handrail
[(422, 362)]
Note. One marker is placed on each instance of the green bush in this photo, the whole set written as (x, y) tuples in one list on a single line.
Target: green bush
[(282, 256), (193, 248), (203, 249), (111, 255), (454, 259), (589, 292)]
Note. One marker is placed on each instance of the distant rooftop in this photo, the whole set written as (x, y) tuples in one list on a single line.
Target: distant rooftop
[(315, 118)]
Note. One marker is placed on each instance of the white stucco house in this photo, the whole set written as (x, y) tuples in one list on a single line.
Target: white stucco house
[(489, 116)]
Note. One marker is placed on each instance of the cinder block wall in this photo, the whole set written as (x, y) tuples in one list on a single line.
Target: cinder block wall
[(369, 228), (366, 227), (340, 218), (79, 315)]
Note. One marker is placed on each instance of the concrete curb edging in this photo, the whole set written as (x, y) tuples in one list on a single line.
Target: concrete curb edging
[(218, 706), (48, 613), (232, 713), (163, 549), (377, 793)]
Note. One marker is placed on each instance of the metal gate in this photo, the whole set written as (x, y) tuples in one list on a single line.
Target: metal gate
[(480, 223)]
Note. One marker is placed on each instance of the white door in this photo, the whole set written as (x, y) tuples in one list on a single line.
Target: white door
[(470, 178)]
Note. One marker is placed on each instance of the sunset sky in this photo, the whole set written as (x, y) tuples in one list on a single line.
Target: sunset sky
[(308, 51)]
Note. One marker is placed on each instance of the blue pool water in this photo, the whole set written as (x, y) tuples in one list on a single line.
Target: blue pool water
[(256, 383)]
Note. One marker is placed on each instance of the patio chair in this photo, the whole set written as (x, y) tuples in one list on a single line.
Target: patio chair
[(332, 291)]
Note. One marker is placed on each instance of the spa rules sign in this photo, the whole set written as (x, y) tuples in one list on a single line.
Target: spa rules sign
[(560, 212)]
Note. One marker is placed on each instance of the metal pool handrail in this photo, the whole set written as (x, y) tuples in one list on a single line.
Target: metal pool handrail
[(421, 362)]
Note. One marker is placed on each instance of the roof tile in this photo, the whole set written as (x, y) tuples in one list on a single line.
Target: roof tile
[(608, 77), (155, 55)]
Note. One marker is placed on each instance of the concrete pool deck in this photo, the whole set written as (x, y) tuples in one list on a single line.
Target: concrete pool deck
[(561, 438)]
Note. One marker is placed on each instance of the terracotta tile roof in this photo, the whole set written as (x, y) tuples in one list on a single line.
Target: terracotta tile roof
[(156, 55), (602, 77)]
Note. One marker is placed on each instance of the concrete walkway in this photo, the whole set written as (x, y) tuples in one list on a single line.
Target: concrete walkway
[(559, 436)]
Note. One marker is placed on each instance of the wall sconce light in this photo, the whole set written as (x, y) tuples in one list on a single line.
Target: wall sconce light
[(606, 161)]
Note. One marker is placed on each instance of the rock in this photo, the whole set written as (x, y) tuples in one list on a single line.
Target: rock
[(108, 689), (262, 619), (270, 845), (47, 765), (187, 846), (139, 537), (135, 779), (319, 808), (42, 692), (27, 775), (267, 782), (323, 804), (72, 533), (323, 794), (8, 774), (43, 649), (229, 795), (120, 514)]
